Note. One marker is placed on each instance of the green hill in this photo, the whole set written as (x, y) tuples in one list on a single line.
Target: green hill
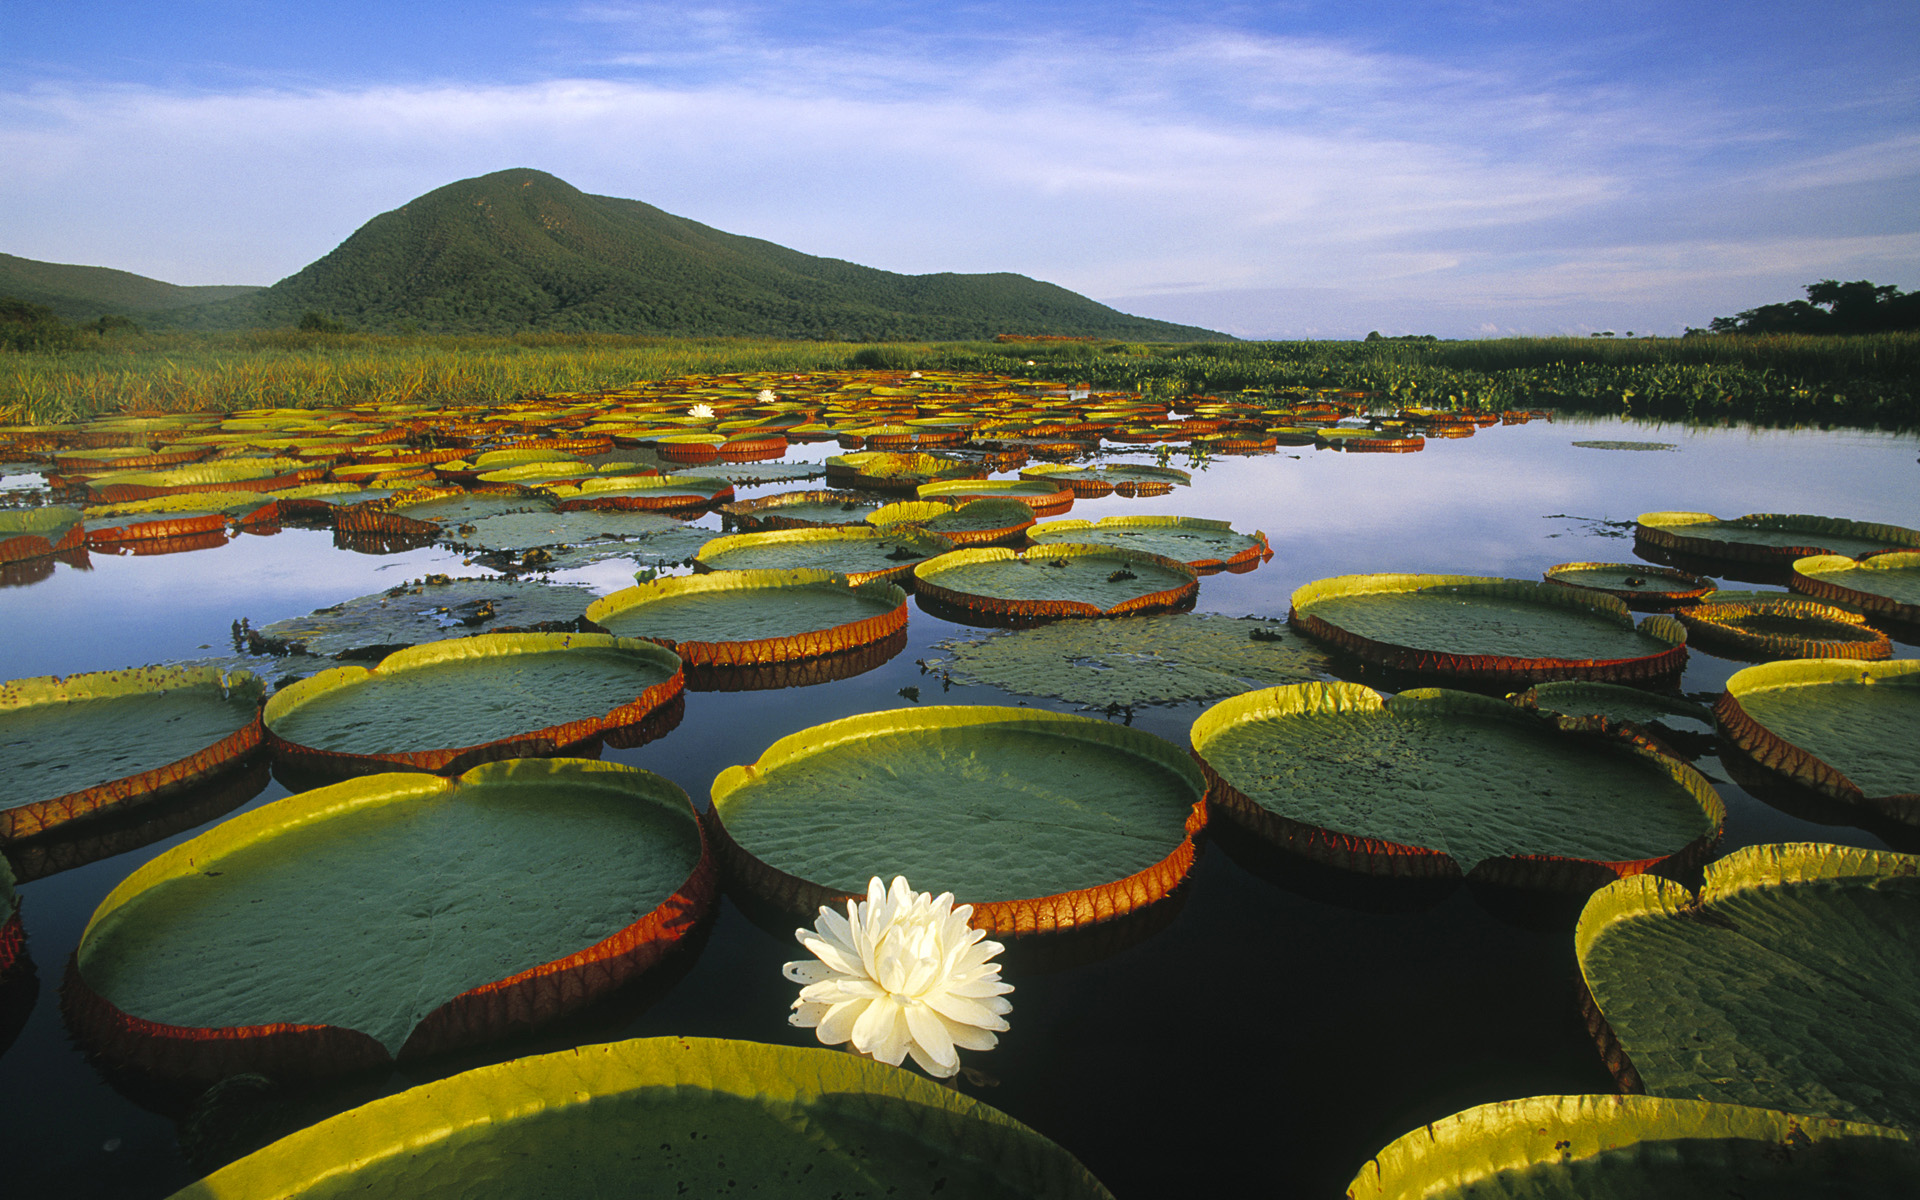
[(520, 250), (83, 293)]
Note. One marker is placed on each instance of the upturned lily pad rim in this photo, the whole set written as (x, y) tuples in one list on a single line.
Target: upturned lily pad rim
[(1781, 756), (1669, 531), (114, 795), (1821, 576), (1692, 586), (1259, 551), (1829, 632), (1043, 915), (931, 545), (1492, 1144), (1494, 667), (549, 1087), (925, 575), (477, 1015), (533, 743), (889, 600), (1382, 857)]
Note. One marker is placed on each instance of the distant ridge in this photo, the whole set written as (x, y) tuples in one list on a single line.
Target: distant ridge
[(522, 250), (78, 293)]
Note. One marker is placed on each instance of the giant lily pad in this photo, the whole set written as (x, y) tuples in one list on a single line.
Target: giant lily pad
[(1782, 628), (1201, 544), (1848, 730), (1040, 820), (560, 540), (450, 705), (1639, 1148), (1769, 537), (860, 552), (227, 474), (643, 491), (1675, 723), (425, 610), (1066, 580), (986, 522), (1168, 658), (1789, 982), (29, 533), (800, 510), (662, 1116), (394, 915), (180, 515), (1043, 496), (1474, 627), (1886, 585), (750, 618), (1439, 783), (886, 470), (103, 741), (1638, 584)]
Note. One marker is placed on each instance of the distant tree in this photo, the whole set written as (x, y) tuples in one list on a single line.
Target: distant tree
[(25, 326), (1831, 307), (314, 321), (115, 323)]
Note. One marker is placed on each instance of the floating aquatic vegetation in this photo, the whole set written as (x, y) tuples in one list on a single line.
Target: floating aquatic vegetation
[(1044, 497), (1788, 983), (1480, 628), (713, 1115), (108, 740), (227, 474), (1847, 730), (1047, 582), (1782, 628), (1885, 585), (554, 541), (451, 705), (1438, 783), (1168, 658), (862, 553), (1043, 822), (13, 935), (1643, 1147), (1669, 720), (1768, 537), (1201, 544), (747, 474), (30, 533), (642, 492), (801, 510), (886, 470), (391, 916), (751, 618), (180, 515), (1094, 482), (1626, 445), (901, 974), (426, 610), (1641, 586), (986, 522)]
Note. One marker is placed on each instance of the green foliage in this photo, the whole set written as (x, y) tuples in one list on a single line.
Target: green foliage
[(313, 321), (26, 326), (84, 293), (1831, 307)]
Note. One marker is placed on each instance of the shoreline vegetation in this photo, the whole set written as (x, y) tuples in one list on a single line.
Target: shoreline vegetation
[(1866, 381)]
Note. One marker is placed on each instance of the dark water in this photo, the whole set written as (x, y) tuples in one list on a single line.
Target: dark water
[(1282, 1027)]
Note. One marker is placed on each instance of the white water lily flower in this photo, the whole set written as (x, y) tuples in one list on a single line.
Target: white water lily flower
[(702, 412), (901, 974), (765, 396)]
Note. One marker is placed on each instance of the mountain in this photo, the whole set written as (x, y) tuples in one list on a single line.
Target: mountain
[(83, 293), (520, 250)]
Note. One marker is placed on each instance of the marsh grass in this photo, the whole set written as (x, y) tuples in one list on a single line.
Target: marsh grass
[(1870, 380)]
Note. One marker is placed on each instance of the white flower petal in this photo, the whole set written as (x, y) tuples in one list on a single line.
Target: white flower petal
[(931, 1037), (837, 1025), (807, 970)]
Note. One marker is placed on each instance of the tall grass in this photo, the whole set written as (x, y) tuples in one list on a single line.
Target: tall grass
[(1871, 380)]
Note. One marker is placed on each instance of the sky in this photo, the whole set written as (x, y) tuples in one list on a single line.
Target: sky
[(1307, 169)]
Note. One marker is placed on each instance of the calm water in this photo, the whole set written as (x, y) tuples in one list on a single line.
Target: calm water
[(1282, 1026)]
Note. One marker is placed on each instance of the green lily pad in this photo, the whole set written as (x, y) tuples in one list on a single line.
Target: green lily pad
[(1850, 730), (37, 532), (1790, 982), (1781, 628), (748, 474), (860, 552), (451, 704), (1192, 540), (1041, 495), (1763, 537), (1639, 1148), (1337, 773), (743, 618), (642, 491), (1580, 698), (797, 510), (587, 535), (1640, 585), (1064, 580), (666, 1116), (462, 508), (1169, 658), (986, 522), (425, 610), (1037, 819), (373, 905), (1885, 585), (86, 743), (1484, 628)]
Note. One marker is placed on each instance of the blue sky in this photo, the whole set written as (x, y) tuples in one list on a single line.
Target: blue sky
[(1284, 169)]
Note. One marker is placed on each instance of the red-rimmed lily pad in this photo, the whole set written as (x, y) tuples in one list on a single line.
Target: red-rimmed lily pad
[(862, 553), (1847, 730), (1042, 821), (801, 510), (663, 1116), (389, 917), (1202, 544), (986, 522), (1480, 628), (1788, 982), (752, 618), (642, 491), (1769, 537), (180, 515), (1436, 784), (1783, 628), (1885, 585), (1043, 496), (885, 470), (1676, 723), (1047, 582), (86, 744), (1639, 585), (450, 705), (29, 533), (1640, 1148)]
